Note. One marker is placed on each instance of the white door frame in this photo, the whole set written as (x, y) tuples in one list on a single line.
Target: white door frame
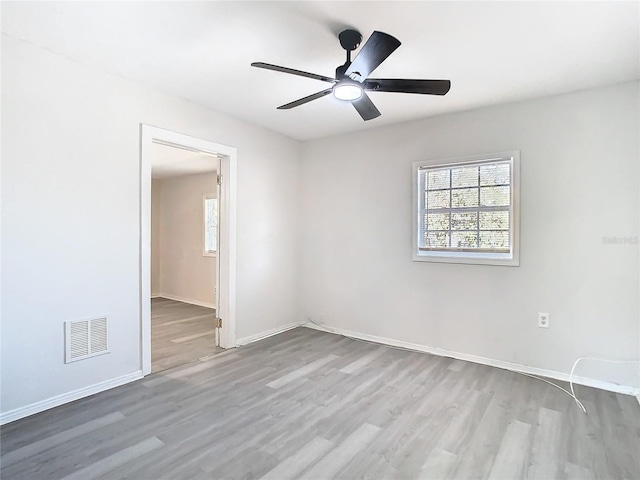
[(226, 249)]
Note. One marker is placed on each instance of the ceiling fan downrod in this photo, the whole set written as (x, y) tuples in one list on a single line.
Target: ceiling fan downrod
[(349, 40)]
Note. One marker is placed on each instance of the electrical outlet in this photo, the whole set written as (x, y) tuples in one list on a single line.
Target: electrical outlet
[(543, 320)]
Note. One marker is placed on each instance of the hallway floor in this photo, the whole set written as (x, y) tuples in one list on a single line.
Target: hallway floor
[(180, 333)]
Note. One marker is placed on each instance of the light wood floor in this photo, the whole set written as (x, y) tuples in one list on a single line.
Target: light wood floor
[(180, 333), (308, 404)]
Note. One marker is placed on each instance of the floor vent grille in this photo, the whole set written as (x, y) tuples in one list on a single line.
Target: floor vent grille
[(85, 338)]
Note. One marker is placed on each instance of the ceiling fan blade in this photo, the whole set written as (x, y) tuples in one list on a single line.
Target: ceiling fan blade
[(427, 87), (366, 108), (304, 100), (379, 46), (300, 73)]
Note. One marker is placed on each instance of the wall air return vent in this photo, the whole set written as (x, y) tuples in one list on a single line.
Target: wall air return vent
[(85, 338)]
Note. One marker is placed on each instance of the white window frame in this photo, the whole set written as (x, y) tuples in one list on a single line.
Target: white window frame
[(512, 258), (205, 197)]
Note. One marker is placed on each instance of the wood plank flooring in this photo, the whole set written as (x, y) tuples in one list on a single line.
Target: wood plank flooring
[(309, 404), (180, 333)]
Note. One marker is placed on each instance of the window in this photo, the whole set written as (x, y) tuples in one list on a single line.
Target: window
[(466, 210), (210, 225)]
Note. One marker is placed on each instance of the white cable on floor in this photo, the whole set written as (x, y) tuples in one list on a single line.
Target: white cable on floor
[(546, 381), (571, 393), (599, 359)]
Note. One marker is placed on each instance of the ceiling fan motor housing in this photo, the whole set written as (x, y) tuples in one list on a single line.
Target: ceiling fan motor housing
[(340, 71)]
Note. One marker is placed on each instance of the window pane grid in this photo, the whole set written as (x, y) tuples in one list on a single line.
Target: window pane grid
[(466, 208)]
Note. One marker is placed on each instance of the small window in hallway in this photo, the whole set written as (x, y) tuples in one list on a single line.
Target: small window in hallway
[(210, 225)]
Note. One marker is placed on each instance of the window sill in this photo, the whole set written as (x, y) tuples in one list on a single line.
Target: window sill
[(506, 260), (210, 254)]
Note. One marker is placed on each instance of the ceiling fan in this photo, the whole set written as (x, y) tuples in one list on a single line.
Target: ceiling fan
[(351, 81)]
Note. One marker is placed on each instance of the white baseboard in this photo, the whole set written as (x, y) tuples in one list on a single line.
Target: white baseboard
[(514, 367), (58, 400), (268, 333), (184, 300)]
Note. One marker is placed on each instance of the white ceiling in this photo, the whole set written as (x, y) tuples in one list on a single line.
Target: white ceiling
[(172, 162), (493, 52)]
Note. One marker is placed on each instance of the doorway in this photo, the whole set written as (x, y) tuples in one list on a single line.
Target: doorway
[(184, 219), (194, 309)]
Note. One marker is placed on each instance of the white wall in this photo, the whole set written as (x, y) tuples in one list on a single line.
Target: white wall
[(71, 225), (184, 272), (156, 218), (579, 182)]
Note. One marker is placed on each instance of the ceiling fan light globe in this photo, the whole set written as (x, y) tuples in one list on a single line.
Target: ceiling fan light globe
[(347, 92)]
